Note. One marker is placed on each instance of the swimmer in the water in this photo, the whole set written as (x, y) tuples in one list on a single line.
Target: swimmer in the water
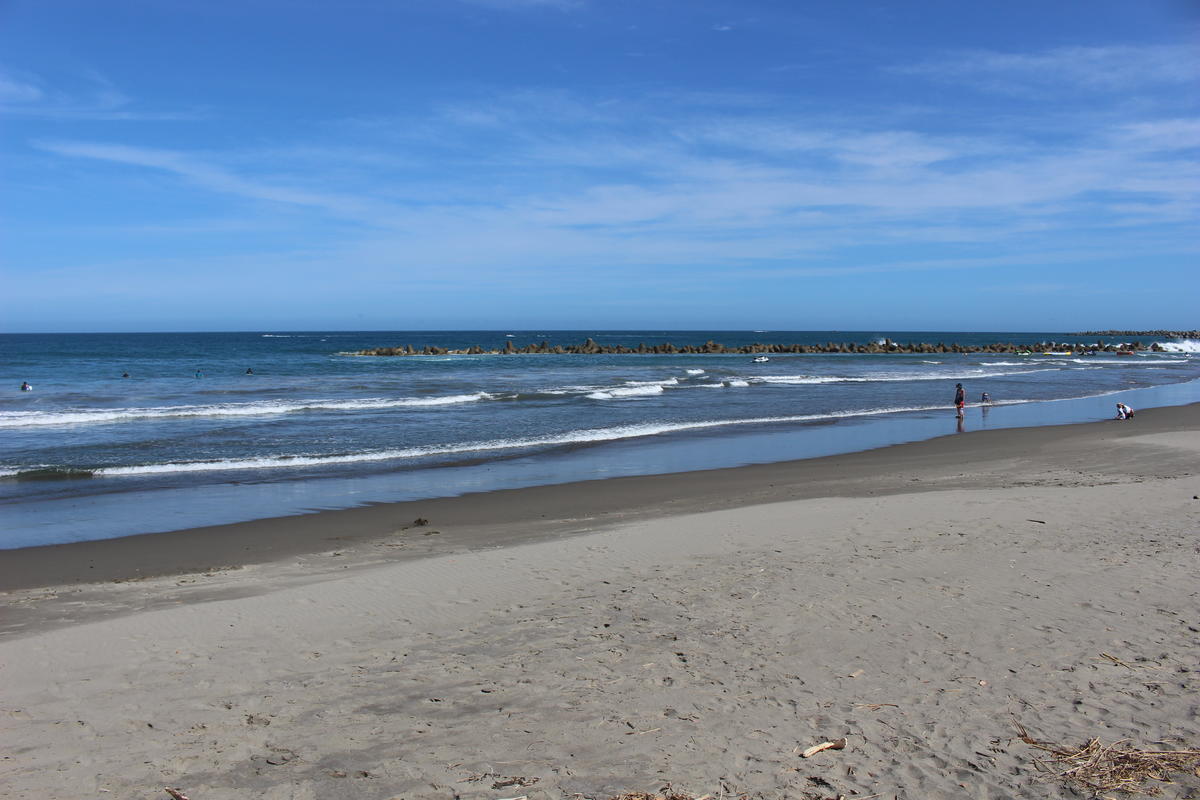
[(25, 387)]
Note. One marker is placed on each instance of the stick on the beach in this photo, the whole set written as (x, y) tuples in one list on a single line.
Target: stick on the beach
[(837, 744)]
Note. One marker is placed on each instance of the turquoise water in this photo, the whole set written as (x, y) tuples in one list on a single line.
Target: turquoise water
[(212, 428)]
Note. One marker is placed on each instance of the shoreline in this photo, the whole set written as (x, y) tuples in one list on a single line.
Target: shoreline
[(618, 636), (512, 516)]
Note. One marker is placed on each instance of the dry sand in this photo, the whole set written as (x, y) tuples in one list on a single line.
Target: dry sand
[(697, 630)]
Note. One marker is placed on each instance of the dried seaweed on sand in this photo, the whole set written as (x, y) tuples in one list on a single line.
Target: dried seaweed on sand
[(670, 796), (1116, 767)]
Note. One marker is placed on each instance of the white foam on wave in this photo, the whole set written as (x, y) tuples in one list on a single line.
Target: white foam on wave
[(627, 391), (1181, 346), (87, 416), (968, 374), (1124, 362), (561, 390), (737, 383), (695, 372), (571, 437), (663, 382), (631, 389), (890, 377), (805, 379)]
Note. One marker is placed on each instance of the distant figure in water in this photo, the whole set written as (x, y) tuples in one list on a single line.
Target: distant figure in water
[(960, 398), (249, 371), (985, 398), (198, 373), (25, 387), (124, 374), (1124, 411)]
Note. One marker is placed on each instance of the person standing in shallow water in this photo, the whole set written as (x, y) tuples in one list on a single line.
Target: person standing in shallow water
[(960, 398)]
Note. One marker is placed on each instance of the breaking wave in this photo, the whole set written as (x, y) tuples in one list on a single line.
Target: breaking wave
[(627, 391), (22, 419), (569, 438), (1181, 346)]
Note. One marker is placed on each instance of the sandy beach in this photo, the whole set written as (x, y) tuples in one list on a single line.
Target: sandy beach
[(698, 630)]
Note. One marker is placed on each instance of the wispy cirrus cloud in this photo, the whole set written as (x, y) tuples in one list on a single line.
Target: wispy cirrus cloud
[(534, 180), (15, 91), (92, 98), (1113, 68), (215, 178)]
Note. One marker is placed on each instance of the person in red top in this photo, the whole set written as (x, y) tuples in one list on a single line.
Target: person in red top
[(960, 398)]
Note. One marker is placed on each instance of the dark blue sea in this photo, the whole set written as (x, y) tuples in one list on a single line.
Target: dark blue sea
[(220, 427)]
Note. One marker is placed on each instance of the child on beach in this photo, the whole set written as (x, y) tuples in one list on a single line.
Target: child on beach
[(1124, 411), (960, 398)]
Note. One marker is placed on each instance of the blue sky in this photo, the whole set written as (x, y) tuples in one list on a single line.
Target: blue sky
[(515, 164)]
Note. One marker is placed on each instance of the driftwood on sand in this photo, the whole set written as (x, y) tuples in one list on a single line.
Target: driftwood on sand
[(836, 744)]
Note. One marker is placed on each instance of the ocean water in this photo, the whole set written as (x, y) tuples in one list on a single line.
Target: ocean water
[(221, 427)]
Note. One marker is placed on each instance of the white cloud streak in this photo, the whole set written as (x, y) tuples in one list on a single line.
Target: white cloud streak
[(710, 179), (1092, 69), (97, 100), (214, 178)]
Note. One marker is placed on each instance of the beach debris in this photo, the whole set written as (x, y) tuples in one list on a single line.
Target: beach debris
[(876, 706), (1116, 767), (520, 782), (1038, 521), (178, 795), (666, 793), (1114, 660), (836, 744), (639, 733), (856, 673), (420, 522)]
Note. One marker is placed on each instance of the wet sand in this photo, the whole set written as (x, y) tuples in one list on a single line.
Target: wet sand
[(616, 635)]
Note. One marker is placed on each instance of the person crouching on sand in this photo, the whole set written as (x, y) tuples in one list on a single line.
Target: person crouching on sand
[(1124, 411), (960, 398)]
